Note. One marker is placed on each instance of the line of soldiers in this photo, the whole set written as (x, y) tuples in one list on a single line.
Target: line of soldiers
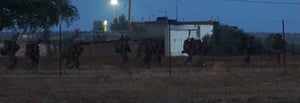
[(71, 53), (11, 47), (150, 50), (194, 47)]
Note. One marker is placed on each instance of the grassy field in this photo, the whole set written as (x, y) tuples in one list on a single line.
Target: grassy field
[(103, 80)]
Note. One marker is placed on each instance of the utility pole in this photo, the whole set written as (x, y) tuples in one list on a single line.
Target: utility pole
[(129, 18), (284, 47), (169, 51), (176, 9), (60, 47)]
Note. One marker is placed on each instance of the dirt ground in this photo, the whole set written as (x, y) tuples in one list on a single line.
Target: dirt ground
[(104, 79)]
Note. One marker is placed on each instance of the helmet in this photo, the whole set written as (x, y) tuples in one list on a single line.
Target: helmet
[(192, 39)]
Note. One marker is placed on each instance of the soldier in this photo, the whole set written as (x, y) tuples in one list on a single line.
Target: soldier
[(205, 48), (10, 48), (78, 51), (157, 50), (186, 46), (148, 54), (73, 53), (123, 48), (247, 50), (277, 46), (33, 53), (190, 49), (140, 48)]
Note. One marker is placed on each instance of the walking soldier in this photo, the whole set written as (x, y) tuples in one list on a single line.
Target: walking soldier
[(33, 53), (123, 48), (10, 48), (247, 44), (72, 53)]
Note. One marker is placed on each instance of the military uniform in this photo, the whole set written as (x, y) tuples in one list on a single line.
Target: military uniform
[(123, 48), (10, 48), (191, 49), (186, 46), (148, 55), (12, 54), (140, 48), (33, 53), (247, 50), (277, 46), (157, 50), (72, 54)]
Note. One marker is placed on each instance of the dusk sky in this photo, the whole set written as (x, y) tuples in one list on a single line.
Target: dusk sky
[(249, 16)]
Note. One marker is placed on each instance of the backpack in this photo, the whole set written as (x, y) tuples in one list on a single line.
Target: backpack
[(9, 47), (31, 49)]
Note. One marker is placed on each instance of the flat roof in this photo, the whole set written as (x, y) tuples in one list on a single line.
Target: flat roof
[(195, 22), (180, 22)]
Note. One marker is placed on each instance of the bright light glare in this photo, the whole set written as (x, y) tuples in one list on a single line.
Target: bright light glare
[(114, 2), (105, 22), (105, 25)]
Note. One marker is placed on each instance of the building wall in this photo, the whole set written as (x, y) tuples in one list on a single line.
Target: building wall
[(150, 30)]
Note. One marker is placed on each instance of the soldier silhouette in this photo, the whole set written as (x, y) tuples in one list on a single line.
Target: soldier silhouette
[(247, 44), (10, 48), (33, 53), (157, 52), (123, 48), (141, 47), (72, 53), (148, 54), (205, 49), (190, 49), (186, 45), (277, 46)]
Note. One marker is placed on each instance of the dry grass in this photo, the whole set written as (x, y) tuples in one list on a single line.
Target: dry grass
[(102, 79)]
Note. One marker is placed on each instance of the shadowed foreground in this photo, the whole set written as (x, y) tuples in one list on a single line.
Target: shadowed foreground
[(221, 81)]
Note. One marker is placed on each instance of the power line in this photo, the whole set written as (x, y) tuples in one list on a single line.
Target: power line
[(157, 11), (263, 21), (195, 14), (268, 2), (190, 10), (147, 6)]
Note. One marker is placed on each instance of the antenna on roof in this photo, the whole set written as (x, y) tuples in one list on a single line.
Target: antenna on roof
[(176, 9)]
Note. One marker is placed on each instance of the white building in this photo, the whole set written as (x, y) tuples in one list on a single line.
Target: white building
[(173, 33), (181, 31)]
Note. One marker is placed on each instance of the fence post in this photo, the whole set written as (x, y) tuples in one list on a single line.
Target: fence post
[(60, 47)]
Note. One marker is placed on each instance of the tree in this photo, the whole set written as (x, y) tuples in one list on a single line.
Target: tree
[(119, 24), (227, 39), (137, 31), (33, 15), (258, 47), (98, 26), (36, 14)]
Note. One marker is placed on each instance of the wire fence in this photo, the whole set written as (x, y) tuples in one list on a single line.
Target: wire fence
[(101, 53)]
